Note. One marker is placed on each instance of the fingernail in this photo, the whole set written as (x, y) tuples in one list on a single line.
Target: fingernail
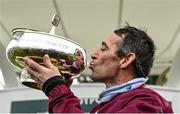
[(25, 58), (46, 55)]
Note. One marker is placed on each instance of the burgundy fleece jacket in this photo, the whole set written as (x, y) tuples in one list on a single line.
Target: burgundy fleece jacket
[(140, 100)]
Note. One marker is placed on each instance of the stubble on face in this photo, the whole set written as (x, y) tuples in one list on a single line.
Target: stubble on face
[(106, 64), (105, 69)]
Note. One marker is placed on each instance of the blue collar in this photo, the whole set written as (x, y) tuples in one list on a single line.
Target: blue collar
[(111, 92)]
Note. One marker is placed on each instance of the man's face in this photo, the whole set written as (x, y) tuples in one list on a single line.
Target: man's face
[(105, 62)]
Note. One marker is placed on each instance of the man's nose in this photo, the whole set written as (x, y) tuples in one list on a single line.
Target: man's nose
[(95, 54)]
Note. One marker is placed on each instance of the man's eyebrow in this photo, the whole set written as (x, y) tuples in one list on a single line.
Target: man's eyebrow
[(104, 43)]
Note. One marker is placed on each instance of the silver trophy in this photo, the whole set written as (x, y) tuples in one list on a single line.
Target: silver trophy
[(67, 55)]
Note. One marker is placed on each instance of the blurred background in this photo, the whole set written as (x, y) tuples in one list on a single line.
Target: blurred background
[(88, 22)]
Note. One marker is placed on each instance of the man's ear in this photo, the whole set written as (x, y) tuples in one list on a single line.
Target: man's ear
[(127, 60)]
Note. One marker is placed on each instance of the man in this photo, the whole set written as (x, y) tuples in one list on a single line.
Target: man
[(122, 63)]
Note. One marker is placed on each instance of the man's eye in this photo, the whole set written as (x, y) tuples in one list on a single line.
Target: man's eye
[(103, 48)]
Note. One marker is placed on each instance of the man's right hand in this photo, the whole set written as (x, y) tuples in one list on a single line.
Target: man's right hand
[(41, 73)]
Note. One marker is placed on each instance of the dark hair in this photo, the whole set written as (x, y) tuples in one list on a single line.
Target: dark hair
[(138, 42)]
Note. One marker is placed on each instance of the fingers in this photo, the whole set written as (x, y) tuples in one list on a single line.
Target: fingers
[(41, 73), (33, 65), (47, 62), (34, 74)]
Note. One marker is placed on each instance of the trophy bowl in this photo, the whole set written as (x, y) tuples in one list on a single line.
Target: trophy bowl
[(67, 55)]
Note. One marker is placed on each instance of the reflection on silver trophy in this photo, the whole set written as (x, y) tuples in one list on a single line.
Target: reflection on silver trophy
[(67, 55)]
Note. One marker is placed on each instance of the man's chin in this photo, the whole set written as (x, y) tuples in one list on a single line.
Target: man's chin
[(95, 78)]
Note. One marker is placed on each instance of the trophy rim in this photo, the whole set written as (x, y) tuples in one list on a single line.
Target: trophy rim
[(27, 30)]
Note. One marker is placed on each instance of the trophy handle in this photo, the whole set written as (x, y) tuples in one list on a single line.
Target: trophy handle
[(55, 22)]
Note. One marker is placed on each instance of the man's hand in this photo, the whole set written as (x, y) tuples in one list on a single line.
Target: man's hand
[(41, 73)]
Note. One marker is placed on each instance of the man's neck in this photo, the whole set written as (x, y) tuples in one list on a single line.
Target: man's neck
[(120, 79)]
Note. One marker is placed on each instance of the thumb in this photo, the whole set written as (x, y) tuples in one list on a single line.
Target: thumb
[(47, 62)]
